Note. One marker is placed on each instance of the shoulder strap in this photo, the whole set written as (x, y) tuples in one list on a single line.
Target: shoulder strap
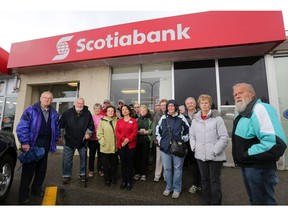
[(169, 128)]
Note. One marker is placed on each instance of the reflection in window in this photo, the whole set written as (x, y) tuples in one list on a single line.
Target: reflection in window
[(68, 90), (9, 113), (193, 78), (155, 83), (236, 70)]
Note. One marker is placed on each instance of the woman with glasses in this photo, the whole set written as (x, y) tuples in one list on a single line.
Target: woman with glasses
[(208, 139)]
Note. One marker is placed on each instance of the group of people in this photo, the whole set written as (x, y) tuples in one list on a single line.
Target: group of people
[(126, 134)]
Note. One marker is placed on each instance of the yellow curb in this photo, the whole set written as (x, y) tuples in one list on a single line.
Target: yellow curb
[(50, 196)]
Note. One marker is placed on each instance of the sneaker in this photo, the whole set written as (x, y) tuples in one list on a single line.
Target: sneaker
[(143, 178), (100, 173), (137, 177), (156, 179), (40, 193), (24, 201), (194, 189), (91, 174), (82, 178), (166, 193), (175, 195), (66, 180)]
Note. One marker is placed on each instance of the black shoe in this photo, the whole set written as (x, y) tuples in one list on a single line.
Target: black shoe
[(66, 180), (129, 186), (122, 186), (114, 181), (82, 178), (40, 193), (24, 201), (108, 183)]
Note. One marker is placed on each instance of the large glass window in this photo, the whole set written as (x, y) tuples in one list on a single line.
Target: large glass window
[(155, 84), (281, 67), (9, 113), (235, 70), (124, 84), (193, 78), (68, 90)]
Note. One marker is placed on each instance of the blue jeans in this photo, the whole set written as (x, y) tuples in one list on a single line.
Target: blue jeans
[(173, 181), (67, 161), (259, 185)]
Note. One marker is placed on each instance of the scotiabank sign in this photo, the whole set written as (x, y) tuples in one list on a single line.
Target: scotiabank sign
[(192, 31), (116, 40)]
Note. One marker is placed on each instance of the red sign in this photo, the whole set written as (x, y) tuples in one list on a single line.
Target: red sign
[(3, 61), (192, 31)]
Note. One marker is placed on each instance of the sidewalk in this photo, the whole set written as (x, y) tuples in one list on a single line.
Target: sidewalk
[(143, 192)]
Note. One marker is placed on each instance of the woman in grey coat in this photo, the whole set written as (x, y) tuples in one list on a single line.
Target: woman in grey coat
[(208, 139)]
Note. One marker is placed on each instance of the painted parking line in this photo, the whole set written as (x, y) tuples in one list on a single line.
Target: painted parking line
[(50, 196)]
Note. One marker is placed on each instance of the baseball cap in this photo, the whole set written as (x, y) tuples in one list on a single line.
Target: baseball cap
[(106, 101)]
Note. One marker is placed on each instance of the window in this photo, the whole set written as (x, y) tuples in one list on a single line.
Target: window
[(155, 84), (194, 78), (250, 70), (68, 90)]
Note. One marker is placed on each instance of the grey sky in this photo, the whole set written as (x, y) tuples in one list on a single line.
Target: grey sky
[(20, 25)]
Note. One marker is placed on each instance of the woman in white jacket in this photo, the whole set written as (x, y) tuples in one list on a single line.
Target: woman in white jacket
[(208, 139)]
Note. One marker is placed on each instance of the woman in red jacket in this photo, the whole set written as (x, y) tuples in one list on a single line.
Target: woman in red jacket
[(126, 133)]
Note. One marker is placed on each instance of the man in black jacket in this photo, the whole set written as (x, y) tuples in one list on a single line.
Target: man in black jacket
[(77, 125)]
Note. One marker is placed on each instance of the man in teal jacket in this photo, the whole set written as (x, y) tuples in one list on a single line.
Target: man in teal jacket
[(258, 141)]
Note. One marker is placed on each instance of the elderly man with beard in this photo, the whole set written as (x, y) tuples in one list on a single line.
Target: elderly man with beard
[(258, 141), (77, 125)]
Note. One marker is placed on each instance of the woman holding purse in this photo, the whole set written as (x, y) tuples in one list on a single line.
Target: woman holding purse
[(172, 126)]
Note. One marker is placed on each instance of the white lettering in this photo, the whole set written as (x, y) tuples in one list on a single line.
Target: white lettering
[(116, 39), (135, 38), (165, 34), (82, 46), (181, 32), (137, 35), (125, 40), (89, 45), (109, 40), (99, 44), (153, 37)]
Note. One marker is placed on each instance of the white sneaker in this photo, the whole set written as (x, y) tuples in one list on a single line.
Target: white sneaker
[(175, 195), (166, 193), (143, 178), (137, 177), (156, 179), (194, 189)]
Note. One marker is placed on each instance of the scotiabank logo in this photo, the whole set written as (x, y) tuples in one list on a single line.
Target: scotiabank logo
[(135, 38), (62, 48)]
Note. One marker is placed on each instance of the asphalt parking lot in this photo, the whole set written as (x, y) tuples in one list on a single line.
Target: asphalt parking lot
[(143, 192)]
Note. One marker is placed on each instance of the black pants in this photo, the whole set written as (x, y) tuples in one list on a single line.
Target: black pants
[(110, 162), (211, 182), (94, 147), (37, 169), (127, 163), (142, 158), (195, 171)]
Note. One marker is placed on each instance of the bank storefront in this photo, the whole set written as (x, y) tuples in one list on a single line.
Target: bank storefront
[(173, 57)]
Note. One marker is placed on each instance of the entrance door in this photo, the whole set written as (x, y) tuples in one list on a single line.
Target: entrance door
[(62, 104)]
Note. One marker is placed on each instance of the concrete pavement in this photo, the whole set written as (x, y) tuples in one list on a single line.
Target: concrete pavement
[(143, 192)]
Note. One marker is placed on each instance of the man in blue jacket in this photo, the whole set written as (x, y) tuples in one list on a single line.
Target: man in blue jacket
[(258, 141), (38, 127)]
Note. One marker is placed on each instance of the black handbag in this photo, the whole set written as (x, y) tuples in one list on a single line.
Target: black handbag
[(177, 148)]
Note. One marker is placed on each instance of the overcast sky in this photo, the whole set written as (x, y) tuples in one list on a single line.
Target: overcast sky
[(27, 20)]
